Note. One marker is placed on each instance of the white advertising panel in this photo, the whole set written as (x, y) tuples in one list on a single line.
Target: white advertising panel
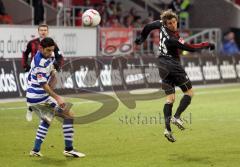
[(73, 42)]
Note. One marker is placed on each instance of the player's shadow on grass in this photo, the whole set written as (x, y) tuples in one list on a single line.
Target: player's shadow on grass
[(54, 161), (190, 158)]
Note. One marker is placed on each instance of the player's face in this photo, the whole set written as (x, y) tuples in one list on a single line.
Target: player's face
[(43, 32), (47, 52), (172, 24)]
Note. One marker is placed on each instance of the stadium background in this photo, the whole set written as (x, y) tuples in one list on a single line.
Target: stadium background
[(104, 58), (89, 52)]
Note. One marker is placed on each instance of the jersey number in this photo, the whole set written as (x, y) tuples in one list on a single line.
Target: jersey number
[(162, 46)]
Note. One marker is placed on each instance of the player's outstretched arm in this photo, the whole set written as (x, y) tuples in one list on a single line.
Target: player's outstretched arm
[(203, 45), (146, 30), (189, 47)]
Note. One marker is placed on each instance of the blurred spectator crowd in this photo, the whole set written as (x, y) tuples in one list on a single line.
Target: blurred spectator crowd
[(4, 17), (112, 12), (229, 45)]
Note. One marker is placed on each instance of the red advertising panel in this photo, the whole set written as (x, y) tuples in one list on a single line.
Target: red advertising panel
[(116, 41)]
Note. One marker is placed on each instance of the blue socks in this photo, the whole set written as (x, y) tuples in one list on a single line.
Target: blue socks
[(41, 134)]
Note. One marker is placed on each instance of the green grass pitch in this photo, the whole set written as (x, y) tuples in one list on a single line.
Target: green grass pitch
[(132, 137)]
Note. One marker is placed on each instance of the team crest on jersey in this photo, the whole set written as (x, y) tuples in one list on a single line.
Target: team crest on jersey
[(39, 76)]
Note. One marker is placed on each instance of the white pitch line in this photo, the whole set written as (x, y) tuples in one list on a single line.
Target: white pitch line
[(16, 108), (218, 92)]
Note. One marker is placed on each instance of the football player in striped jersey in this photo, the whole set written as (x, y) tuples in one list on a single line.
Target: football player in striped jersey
[(40, 93)]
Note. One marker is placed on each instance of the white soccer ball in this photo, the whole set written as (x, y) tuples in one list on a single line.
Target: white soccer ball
[(91, 17)]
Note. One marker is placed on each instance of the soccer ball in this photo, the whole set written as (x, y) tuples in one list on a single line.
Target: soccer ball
[(91, 17)]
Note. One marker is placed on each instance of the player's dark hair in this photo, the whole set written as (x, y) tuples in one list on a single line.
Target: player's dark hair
[(42, 25), (47, 42), (168, 15)]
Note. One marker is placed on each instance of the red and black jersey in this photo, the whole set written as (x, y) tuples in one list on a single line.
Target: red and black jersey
[(32, 47), (170, 42)]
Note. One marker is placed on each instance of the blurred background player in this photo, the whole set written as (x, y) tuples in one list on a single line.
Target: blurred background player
[(170, 69), (32, 47), (229, 46), (40, 92)]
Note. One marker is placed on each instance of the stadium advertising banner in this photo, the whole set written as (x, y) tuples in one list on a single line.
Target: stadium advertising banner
[(133, 75), (76, 42), (65, 79), (9, 86), (210, 69), (116, 41), (117, 73), (237, 65), (110, 73), (192, 67), (85, 74), (150, 68), (227, 69), (71, 41), (21, 77)]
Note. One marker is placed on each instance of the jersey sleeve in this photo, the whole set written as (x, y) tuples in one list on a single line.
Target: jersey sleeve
[(185, 46), (147, 29)]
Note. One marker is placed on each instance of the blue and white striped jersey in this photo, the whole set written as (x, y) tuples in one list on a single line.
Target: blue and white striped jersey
[(39, 74)]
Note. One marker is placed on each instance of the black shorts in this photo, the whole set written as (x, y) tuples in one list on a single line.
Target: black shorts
[(173, 74)]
